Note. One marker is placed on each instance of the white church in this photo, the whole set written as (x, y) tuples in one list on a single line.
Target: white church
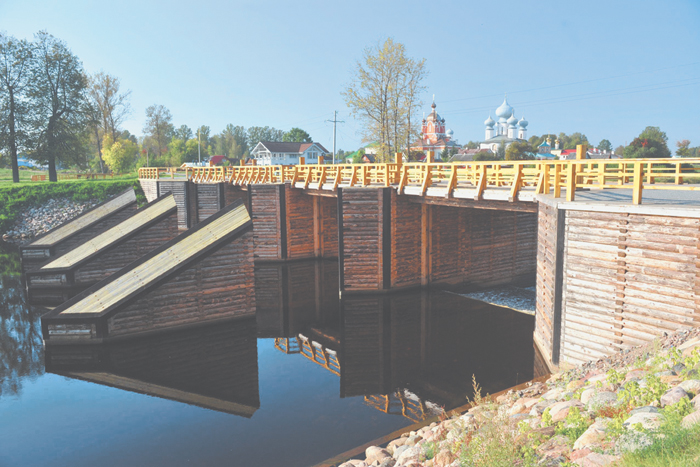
[(506, 130)]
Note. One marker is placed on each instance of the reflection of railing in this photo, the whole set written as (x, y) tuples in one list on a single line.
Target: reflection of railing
[(467, 180), (315, 352), (287, 345), (402, 402)]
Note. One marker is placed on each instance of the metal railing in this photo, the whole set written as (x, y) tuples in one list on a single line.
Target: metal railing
[(461, 179)]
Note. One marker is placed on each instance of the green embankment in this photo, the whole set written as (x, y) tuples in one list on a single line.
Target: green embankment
[(18, 197)]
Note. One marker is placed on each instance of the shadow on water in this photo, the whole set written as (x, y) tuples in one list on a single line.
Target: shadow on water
[(309, 377)]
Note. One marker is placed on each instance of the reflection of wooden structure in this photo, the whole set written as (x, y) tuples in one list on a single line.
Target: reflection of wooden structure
[(78, 230), (200, 276), (214, 367), (319, 354), (290, 298), (104, 254), (432, 344), (288, 345), (397, 403)]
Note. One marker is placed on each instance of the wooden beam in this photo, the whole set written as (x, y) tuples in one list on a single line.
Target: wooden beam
[(520, 206), (481, 184), (570, 182), (637, 184), (426, 219), (558, 285)]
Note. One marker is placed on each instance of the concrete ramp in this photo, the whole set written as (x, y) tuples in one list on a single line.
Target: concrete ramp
[(105, 253), (202, 275), (75, 232)]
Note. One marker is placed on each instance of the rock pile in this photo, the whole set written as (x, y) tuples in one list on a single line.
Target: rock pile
[(40, 219), (588, 416)]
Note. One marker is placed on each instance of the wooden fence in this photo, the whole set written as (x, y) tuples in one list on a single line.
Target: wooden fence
[(461, 179)]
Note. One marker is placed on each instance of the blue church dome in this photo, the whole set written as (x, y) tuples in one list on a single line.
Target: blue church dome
[(504, 111)]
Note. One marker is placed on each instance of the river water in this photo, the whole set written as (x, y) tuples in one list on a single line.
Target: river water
[(306, 379)]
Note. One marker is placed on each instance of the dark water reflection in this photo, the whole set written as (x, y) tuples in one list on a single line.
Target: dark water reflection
[(307, 378)]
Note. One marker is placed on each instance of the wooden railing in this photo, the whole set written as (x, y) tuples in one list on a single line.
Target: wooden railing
[(507, 180)]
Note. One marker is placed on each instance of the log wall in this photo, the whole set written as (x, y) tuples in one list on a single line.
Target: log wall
[(217, 287), (210, 199), (267, 206), (112, 260), (626, 278), (546, 264), (181, 192), (150, 189), (405, 242), (363, 232), (300, 223)]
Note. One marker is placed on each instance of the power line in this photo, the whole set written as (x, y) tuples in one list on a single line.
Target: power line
[(575, 82)]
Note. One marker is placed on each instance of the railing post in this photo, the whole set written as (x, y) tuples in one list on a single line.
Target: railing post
[(545, 181), (570, 181), (581, 151), (637, 183), (430, 157), (557, 181)]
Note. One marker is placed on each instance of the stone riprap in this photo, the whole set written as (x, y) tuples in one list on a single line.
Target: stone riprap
[(40, 219), (586, 416)]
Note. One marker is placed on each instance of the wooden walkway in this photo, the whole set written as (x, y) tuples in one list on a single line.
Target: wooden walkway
[(489, 180)]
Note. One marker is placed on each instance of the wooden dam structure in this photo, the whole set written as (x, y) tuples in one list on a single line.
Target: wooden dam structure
[(611, 245)]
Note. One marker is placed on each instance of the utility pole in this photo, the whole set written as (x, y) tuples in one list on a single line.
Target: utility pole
[(335, 120)]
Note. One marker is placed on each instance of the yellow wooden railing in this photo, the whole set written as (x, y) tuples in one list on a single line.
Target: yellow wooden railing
[(512, 179)]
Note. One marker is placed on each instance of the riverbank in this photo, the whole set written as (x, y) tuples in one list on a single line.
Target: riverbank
[(40, 219), (638, 407), (28, 210)]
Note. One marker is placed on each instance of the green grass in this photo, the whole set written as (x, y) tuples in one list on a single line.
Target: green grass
[(25, 176), (678, 448)]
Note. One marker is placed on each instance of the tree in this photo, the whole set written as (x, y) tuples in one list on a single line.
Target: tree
[(297, 135), (650, 144), (573, 140), (59, 101), (184, 133), (519, 151), (447, 154), (120, 155), (501, 152), (158, 127), (683, 148), (604, 145), (357, 158), (112, 105), (259, 133), (15, 73), (385, 93), (619, 150), (472, 145)]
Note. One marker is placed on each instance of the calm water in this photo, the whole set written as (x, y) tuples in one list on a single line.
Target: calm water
[(306, 379)]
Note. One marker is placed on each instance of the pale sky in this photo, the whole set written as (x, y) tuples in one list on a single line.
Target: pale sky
[(605, 68)]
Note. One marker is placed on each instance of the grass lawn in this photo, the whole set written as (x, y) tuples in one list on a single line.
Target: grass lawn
[(25, 176)]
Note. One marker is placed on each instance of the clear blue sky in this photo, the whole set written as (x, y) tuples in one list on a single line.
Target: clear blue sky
[(604, 68)]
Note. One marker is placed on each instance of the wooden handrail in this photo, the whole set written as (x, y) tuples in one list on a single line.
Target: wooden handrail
[(541, 177)]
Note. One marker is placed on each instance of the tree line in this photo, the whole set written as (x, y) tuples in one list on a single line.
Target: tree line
[(54, 113)]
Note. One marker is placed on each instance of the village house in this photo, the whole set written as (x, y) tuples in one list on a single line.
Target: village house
[(280, 153)]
